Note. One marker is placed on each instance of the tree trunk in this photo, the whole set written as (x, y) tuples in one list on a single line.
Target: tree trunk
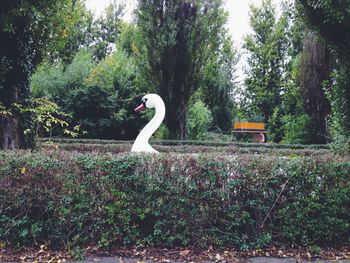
[(175, 121), (17, 129), (8, 132), (316, 66)]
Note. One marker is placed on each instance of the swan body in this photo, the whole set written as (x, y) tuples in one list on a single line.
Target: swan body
[(149, 101)]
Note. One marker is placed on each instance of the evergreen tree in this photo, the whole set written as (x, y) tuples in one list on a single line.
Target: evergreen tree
[(219, 84), (178, 38), (266, 47)]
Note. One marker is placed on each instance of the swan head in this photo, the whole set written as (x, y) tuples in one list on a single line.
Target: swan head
[(149, 101)]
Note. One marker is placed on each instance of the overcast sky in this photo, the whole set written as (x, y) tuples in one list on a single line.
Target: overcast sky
[(238, 10), (238, 23)]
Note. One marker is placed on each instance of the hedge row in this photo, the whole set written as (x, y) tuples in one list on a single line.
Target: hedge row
[(71, 199), (184, 149), (193, 143)]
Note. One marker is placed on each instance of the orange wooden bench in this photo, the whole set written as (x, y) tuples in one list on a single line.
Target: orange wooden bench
[(256, 129)]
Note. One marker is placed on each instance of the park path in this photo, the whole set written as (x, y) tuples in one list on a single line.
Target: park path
[(248, 260)]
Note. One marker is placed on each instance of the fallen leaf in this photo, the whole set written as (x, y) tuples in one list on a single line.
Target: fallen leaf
[(2, 244), (184, 253)]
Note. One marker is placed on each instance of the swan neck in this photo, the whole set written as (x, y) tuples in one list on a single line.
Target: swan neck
[(155, 122)]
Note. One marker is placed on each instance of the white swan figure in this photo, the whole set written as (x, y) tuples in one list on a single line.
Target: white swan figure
[(149, 101)]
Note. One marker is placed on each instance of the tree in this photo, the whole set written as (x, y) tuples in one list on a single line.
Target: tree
[(331, 19), (219, 84), (296, 124), (26, 28), (178, 37), (316, 67), (99, 97), (77, 31), (266, 48), (199, 120), (106, 30)]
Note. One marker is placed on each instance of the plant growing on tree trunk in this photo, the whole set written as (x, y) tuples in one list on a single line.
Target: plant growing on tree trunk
[(331, 19), (26, 27)]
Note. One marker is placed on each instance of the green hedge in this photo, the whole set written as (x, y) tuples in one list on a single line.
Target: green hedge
[(184, 149), (193, 143), (72, 199)]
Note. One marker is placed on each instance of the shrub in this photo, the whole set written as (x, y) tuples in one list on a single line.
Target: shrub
[(72, 199), (198, 120), (211, 142), (184, 148), (298, 129), (341, 145)]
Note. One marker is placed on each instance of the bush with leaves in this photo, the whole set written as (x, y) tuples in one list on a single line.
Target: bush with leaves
[(198, 121), (242, 201), (99, 97), (298, 129), (48, 118)]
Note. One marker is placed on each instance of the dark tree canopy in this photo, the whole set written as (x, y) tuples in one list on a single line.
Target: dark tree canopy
[(178, 37), (26, 27), (332, 19)]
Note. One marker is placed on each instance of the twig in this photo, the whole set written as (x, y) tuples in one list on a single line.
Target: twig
[(274, 204)]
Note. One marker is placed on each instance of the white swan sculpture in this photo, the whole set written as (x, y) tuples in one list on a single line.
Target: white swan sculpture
[(149, 101)]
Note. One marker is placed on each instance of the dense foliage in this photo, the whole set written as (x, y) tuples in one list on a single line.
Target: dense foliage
[(95, 69), (26, 28), (179, 38), (266, 47), (331, 20), (100, 97), (170, 200)]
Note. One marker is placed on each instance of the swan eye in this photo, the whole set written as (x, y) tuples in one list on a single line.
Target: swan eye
[(144, 100)]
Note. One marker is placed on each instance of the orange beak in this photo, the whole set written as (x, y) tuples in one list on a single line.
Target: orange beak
[(140, 108)]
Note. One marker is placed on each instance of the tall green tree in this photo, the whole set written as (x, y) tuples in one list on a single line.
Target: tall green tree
[(81, 30), (296, 124), (316, 67), (219, 84), (178, 37), (75, 31), (331, 19), (266, 48), (26, 28), (106, 29)]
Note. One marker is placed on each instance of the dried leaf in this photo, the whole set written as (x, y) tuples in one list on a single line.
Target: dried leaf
[(184, 253)]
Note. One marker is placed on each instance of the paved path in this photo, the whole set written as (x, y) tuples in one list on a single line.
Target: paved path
[(248, 260)]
